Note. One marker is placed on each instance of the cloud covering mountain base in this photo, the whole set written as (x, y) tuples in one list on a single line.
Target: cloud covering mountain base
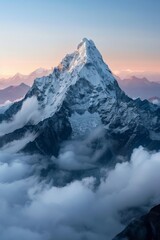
[(33, 209)]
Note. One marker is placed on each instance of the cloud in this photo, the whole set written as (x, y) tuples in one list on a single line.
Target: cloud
[(8, 102), (17, 145), (28, 112), (35, 209), (83, 153), (5, 106)]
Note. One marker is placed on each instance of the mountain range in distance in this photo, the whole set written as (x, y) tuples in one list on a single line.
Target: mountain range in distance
[(136, 87), (19, 78), (13, 93), (14, 88), (17, 86), (127, 74)]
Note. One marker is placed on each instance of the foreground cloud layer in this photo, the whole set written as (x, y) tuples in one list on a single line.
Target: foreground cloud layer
[(36, 210)]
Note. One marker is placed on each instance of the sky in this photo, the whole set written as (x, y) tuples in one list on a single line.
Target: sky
[(38, 33)]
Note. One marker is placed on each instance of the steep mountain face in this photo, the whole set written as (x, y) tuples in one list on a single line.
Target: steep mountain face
[(13, 93), (80, 95), (145, 228), (139, 87)]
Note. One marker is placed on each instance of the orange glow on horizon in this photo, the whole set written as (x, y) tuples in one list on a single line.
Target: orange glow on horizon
[(10, 68)]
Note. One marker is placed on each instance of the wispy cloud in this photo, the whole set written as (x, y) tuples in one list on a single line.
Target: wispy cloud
[(28, 113)]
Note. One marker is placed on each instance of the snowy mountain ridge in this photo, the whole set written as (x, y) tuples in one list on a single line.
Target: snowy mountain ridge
[(80, 95), (85, 63)]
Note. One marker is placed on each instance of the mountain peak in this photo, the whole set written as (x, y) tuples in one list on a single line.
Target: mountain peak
[(87, 58), (84, 63), (85, 43), (88, 51), (84, 67)]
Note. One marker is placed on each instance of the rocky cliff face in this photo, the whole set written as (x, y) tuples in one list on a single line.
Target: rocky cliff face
[(145, 228), (84, 93)]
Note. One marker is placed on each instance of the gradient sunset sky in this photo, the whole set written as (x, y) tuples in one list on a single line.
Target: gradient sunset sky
[(38, 33)]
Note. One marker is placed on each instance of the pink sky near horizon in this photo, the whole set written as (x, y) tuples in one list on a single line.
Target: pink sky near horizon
[(40, 33), (27, 58), (26, 66)]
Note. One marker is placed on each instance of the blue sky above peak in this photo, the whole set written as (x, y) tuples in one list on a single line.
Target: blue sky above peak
[(39, 33)]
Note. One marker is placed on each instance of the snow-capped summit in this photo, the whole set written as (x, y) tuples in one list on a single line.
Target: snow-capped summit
[(77, 64), (77, 97), (82, 67), (88, 53)]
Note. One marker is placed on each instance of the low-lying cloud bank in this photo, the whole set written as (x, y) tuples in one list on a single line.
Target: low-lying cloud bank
[(83, 153), (34, 210), (28, 112)]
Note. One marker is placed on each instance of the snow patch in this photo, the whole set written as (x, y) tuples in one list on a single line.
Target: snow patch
[(83, 124)]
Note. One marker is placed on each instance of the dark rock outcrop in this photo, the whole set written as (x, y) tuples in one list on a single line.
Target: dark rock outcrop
[(146, 227)]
